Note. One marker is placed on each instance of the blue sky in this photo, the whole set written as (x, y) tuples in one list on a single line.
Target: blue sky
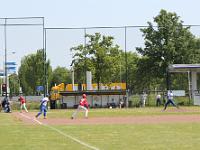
[(83, 13)]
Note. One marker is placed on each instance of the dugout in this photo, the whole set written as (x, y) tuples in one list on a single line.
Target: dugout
[(192, 70), (96, 98)]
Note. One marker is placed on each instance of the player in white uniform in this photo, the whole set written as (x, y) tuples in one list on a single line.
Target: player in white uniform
[(43, 107), (170, 96)]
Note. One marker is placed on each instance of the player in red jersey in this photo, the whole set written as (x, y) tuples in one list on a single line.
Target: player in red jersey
[(83, 104), (22, 103)]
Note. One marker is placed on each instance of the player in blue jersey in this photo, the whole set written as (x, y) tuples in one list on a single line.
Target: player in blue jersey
[(43, 107)]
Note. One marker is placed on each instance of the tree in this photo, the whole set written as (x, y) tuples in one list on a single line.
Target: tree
[(31, 72), (132, 61), (14, 84), (60, 75), (167, 43), (100, 56)]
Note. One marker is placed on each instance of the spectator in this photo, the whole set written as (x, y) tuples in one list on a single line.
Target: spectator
[(121, 104), (158, 100), (143, 99)]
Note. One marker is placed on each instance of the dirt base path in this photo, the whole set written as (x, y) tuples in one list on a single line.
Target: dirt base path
[(29, 118)]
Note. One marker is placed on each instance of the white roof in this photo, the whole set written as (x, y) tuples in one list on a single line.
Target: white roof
[(184, 68)]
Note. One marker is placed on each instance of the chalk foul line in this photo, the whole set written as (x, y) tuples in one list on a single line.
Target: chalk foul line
[(60, 132)]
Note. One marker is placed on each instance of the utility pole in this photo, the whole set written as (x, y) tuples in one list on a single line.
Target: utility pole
[(5, 61)]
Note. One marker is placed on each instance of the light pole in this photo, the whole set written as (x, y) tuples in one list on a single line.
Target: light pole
[(5, 58), (72, 73), (126, 63), (5, 67), (8, 66)]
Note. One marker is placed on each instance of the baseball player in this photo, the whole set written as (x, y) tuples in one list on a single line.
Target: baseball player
[(170, 100), (83, 104), (6, 105), (22, 103), (43, 107)]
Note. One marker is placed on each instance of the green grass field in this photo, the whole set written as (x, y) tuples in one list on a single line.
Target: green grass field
[(15, 135)]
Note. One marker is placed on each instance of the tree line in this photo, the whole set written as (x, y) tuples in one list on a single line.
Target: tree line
[(166, 41)]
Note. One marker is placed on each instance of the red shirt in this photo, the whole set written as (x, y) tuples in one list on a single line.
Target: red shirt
[(22, 100), (83, 102)]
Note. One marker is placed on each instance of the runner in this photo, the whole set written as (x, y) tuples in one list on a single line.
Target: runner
[(83, 104), (22, 103), (43, 107)]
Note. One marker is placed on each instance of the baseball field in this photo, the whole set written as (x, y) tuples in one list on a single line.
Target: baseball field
[(105, 129)]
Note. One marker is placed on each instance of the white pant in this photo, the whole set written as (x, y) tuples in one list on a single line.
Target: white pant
[(143, 102), (79, 108), (23, 106)]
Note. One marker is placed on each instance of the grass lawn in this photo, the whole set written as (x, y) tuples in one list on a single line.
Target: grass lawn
[(148, 111), (15, 135)]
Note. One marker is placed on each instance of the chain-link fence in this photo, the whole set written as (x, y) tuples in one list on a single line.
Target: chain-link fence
[(136, 100), (22, 36), (19, 37), (62, 39)]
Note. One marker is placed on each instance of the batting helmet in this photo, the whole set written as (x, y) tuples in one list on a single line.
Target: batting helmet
[(84, 95)]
